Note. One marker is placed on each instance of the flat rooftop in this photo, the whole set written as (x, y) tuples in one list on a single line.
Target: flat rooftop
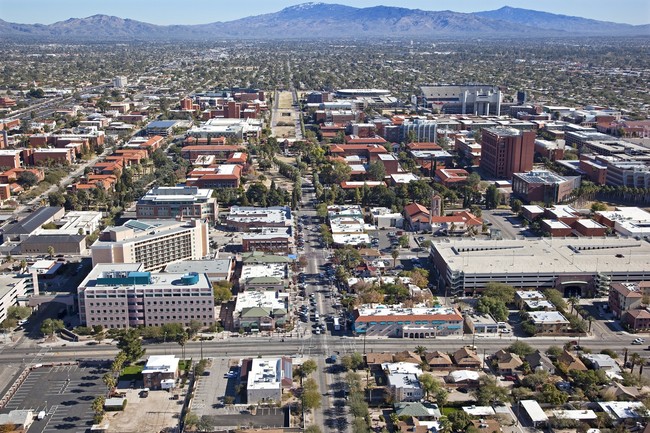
[(540, 176), (265, 373), (157, 281), (398, 310), (264, 299), (547, 317), (216, 266), (277, 270), (262, 215), (545, 256)]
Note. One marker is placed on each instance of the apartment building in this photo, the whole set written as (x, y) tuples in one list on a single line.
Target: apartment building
[(126, 296), (177, 202), (624, 296), (11, 289), (464, 99), (154, 243), (505, 151), (397, 321), (272, 239)]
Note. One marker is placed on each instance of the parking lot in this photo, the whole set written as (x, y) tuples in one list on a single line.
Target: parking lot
[(65, 392), (156, 412)]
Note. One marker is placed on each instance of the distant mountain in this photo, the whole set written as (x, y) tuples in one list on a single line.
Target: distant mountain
[(320, 20), (563, 23)]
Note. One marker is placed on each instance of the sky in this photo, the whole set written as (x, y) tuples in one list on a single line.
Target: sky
[(207, 11)]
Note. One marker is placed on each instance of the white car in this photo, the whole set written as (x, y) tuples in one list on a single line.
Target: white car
[(638, 341)]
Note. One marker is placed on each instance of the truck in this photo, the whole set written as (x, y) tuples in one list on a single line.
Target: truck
[(337, 324)]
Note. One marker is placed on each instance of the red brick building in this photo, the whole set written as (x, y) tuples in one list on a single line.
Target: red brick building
[(450, 177), (505, 151), (10, 158)]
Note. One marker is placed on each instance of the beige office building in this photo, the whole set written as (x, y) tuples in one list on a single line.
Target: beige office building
[(154, 243), (126, 296)]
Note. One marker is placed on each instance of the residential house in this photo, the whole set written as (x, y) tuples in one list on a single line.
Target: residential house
[(539, 361), (421, 411), (439, 360), (466, 358), (408, 357), (457, 223), (506, 362), (571, 361)]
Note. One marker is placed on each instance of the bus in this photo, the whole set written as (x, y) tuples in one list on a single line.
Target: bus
[(337, 325)]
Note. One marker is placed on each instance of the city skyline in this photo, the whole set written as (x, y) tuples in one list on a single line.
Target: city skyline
[(166, 12)]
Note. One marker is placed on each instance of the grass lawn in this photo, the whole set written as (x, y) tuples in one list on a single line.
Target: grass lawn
[(132, 372), (182, 364), (449, 410)]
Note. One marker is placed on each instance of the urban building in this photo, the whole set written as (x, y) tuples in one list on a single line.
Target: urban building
[(451, 177), (61, 244), (575, 266), (221, 176), (463, 99), (403, 381), (264, 276), (626, 221), (637, 320), (32, 223), (626, 296), (162, 128), (549, 322), (120, 82), (160, 372), (248, 219), (417, 217), (384, 218), (171, 202), (505, 151), (154, 243), (260, 311), (216, 269), (272, 239), (543, 186), (12, 290), (126, 296), (266, 378), (397, 321), (481, 324), (235, 128)]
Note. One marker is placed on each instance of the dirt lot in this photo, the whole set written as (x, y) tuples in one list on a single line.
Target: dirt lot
[(151, 414), (286, 114)]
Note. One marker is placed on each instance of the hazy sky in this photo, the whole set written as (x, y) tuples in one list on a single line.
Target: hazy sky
[(206, 11)]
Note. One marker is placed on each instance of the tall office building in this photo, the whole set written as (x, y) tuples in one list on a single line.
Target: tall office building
[(154, 243), (505, 151), (125, 296)]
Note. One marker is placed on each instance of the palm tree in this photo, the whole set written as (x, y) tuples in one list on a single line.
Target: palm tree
[(573, 301), (420, 351), (394, 254), (635, 359)]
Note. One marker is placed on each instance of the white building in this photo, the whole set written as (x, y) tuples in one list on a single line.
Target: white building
[(476, 99), (384, 218), (248, 218), (627, 221), (12, 289), (264, 276), (120, 82), (171, 202), (549, 322), (74, 223), (265, 379), (240, 129), (398, 321), (403, 381), (154, 243)]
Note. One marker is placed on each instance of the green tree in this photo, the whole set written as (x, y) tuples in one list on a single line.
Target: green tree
[(313, 429), (311, 399), (489, 391), (109, 380), (493, 306), (552, 395), (50, 251), (516, 206), (222, 292), (376, 171), (131, 344), (347, 257), (420, 351), (598, 206), (18, 312), (394, 254), (555, 297), (492, 197), (181, 339), (501, 291), (403, 241), (50, 326), (520, 348), (459, 420), (27, 179)]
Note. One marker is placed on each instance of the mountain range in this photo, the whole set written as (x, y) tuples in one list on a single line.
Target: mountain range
[(333, 21)]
